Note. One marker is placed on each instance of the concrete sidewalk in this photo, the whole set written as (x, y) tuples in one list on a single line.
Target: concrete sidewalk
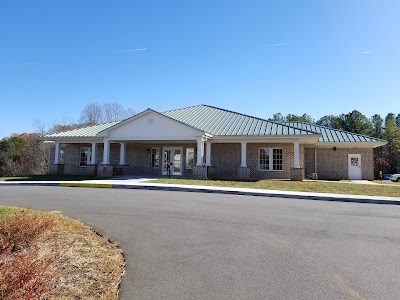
[(144, 184)]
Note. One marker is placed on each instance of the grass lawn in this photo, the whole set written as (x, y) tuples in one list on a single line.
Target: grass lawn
[(5, 212), (387, 182), (85, 266), (333, 187), (49, 177)]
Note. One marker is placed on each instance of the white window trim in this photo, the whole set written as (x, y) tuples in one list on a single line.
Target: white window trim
[(157, 152), (88, 157), (271, 160), (172, 153), (194, 158), (61, 159)]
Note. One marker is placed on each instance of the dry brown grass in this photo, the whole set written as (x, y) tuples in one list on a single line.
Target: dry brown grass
[(88, 265)]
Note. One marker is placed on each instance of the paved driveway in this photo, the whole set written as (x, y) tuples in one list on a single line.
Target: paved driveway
[(207, 246)]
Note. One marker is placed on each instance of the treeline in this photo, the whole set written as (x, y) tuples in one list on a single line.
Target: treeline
[(24, 154), (387, 158)]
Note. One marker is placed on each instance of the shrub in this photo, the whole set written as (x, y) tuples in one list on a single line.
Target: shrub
[(19, 230), (24, 276)]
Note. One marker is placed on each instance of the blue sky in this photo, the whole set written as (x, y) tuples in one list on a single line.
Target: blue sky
[(255, 57)]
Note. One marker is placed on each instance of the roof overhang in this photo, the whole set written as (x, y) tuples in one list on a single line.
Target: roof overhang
[(63, 139), (350, 144), (302, 138)]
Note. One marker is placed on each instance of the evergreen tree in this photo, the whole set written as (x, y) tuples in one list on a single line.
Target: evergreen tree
[(392, 136)]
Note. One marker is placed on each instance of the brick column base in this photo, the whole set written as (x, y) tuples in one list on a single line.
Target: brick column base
[(56, 169), (105, 171), (297, 174), (91, 170), (199, 172), (243, 172), (211, 172)]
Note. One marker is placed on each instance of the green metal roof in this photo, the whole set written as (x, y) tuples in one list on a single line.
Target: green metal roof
[(221, 122), (217, 121), (90, 131), (333, 135)]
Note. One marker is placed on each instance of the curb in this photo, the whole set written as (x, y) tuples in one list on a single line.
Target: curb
[(92, 185), (194, 189), (261, 194)]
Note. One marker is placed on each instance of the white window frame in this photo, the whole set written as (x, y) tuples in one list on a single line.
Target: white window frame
[(155, 157), (172, 149), (89, 156), (271, 159), (61, 158), (187, 167)]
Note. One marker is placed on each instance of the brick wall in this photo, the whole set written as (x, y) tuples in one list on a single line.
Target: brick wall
[(309, 161), (226, 158), (139, 162), (333, 165), (288, 158), (72, 159), (136, 157)]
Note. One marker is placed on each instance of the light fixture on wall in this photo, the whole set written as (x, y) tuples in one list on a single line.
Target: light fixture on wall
[(148, 151)]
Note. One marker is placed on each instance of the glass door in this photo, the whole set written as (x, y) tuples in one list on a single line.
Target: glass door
[(167, 161), (177, 162), (172, 159)]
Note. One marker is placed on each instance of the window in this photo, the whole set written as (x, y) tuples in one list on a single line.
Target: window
[(270, 159), (85, 156), (190, 158), (61, 159), (155, 157)]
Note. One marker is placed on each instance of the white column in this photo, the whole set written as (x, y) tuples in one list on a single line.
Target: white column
[(122, 154), (296, 162), (208, 154), (94, 153), (244, 155), (106, 153), (57, 154), (199, 152)]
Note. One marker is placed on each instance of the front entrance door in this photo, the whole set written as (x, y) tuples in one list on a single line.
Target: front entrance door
[(173, 157), (355, 167)]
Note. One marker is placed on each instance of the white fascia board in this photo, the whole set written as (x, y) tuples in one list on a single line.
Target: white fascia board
[(152, 138), (156, 141), (350, 144), (72, 140), (302, 138)]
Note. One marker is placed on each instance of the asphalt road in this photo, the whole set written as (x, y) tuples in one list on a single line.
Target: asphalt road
[(209, 246)]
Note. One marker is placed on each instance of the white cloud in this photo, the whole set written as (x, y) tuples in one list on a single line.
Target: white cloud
[(132, 50), (32, 63), (366, 52), (276, 45)]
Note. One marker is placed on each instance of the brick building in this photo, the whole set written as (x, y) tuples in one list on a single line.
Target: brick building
[(204, 141)]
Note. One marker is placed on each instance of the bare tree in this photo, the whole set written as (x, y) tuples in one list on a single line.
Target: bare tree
[(114, 112), (131, 112), (92, 113), (40, 126)]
